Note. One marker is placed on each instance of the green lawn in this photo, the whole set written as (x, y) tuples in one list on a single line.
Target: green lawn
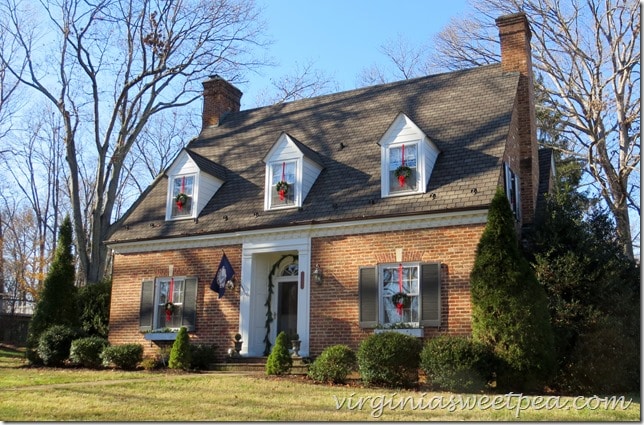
[(68, 394)]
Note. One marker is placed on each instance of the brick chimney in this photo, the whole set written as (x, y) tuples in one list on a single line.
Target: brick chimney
[(219, 98), (516, 56)]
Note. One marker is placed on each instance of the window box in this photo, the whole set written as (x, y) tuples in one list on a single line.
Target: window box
[(160, 336), (417, 332)]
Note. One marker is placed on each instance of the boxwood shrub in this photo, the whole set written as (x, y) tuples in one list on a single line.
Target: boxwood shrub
[(389, 359), (87, 351), (124, 356), (54, 344), (279, 362), (456, 363), (202, 356), (333, 365)]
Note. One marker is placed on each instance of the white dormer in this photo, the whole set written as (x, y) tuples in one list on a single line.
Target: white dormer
[(405, 150), (194, 177), (291, 170)]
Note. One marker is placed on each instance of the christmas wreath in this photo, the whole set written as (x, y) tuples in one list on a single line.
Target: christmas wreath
[(403, 172), (181, 200), (282, 189), (169, 309), (400, 299)]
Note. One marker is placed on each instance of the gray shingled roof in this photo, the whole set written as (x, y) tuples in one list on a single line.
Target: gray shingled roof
[(466, 113)]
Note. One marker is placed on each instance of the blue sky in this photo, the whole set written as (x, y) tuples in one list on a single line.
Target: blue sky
[(341, 37)]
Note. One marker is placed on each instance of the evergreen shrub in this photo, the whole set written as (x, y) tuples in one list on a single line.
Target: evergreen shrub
[(455, 363), (279, 362), (124, 356), (87, 351), (202, 356), (54, 344), (509, 306), (333, 365), (180, 355), (389, 359)]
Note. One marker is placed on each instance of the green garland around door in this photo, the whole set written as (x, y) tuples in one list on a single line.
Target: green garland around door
[(269, 298)]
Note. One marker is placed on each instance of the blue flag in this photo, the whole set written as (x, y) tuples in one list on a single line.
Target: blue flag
[(224, 275)]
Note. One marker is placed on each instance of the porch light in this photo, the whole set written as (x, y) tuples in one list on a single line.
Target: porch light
[(317, 274)]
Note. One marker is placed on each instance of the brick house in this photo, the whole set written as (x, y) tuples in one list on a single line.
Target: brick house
[(326, 257)]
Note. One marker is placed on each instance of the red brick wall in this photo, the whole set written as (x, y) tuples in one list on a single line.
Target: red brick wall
[(217, 319), (334, 303)]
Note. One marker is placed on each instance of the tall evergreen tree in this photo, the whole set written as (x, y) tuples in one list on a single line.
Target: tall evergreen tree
[(509, 307), (593, 291), (57, 299)]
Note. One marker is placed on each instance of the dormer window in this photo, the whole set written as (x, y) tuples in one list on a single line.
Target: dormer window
[(291, 170), (403, 168), (407, 158), (182, 196), (192, 181), (284, 188)]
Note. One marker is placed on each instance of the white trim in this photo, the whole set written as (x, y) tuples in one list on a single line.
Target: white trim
[(252, 275), (376, 225)]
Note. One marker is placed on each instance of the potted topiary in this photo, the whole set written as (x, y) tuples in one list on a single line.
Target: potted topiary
[(238, 344), (295, 345)]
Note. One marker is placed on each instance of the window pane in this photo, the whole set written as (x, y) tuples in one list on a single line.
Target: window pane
[(392, 280), (165, 318), (185, 185), (284, 171), (396, 160)]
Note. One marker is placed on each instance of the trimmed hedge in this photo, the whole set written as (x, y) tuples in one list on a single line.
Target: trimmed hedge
[(389, 359), (457, 364), (333, 365), (180, 356), (279, 362), (202, 356), (125, 356), (54, 344), (87, 351)]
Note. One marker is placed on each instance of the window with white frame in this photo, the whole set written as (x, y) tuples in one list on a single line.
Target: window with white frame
[(182, 202), (403, 168), (283, 190), (513, 191), (399, 292), (168, 302)]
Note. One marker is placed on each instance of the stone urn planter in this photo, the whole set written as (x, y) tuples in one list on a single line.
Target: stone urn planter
[(295, 345)]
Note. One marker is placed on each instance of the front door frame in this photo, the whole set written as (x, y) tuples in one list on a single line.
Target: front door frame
[(251, 316)]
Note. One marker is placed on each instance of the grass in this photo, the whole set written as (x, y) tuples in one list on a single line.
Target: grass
[(30, 394)]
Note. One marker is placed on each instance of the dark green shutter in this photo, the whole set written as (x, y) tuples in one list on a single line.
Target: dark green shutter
[(146, 312), (368, 297), (430, 293), (189, 304)]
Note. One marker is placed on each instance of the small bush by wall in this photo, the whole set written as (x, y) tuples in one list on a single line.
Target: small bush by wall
[(457, 364), (87, 351), (54, 344), (390, 359), (180, 356), (279, 362), (333, 365), (202, 355), (125, 356)]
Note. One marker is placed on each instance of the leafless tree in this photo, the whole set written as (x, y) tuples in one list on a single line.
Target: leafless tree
[(587, 52), (108, 67), (302, 82)]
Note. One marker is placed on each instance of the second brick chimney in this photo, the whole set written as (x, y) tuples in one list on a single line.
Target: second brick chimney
[(219, 98), (516, 56)]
